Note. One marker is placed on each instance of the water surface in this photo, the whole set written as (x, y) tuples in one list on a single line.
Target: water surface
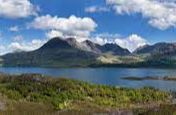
[(107, 76)]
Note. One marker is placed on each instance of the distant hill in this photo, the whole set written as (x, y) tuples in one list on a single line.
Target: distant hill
[(160, 54), (114, 49), (55, 53), (159, 48)]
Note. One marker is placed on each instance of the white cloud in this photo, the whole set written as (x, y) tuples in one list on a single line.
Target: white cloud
[(18, 43), (18, 38), (131, 43), (93, 9), (166, 0), (14, 29), (2, 49), (1, 35), (108, 35), (100, 40), (25, 46), (161, 14), (16, 46), (36, 43), (54, 33), (104, 38), (17, 8), (72, 26)]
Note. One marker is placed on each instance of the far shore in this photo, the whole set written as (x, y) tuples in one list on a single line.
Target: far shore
[(166, 78)]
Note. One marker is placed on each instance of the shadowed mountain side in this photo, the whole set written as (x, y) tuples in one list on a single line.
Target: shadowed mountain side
[(55, 53), (59, 52)]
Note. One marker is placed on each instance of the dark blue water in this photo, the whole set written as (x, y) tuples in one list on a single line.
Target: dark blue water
[(107, 76)]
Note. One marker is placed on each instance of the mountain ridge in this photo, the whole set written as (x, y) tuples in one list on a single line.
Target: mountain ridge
[(158, 48), (59, 52)]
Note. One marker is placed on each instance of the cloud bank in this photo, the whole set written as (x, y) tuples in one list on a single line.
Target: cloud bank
[(17, 46), (131, 42), (71, 26), (94, 9), (17, 8), (160, 14)]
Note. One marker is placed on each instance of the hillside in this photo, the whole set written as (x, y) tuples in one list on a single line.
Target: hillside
[(59, 52), (158, 55), (158, 48), (41, 94), (55, 53)]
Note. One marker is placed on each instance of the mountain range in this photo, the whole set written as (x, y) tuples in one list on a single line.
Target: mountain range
[(59, 52)]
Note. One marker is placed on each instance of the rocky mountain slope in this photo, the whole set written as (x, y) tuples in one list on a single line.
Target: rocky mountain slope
[(59, 52)]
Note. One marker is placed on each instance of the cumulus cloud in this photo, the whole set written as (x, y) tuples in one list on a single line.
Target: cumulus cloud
[(161, 14), (17, 8), (54, 33), (72, 26), (1, 35), (14, 29), (93, 9), (18, 38), (132, 42), (26, 46), (2, 49), (108, 35), (104, 38), (18, 44), (166, 0), (100, 40)]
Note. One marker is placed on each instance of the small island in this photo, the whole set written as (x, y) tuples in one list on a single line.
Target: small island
[(36, 93), (166, 78)]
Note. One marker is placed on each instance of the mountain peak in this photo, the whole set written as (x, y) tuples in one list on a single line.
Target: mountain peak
[(55, 43), (72, 40), (115, 49), (88, 42), (91, 46)]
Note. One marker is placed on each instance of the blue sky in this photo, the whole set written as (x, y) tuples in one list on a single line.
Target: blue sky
[(28, 24)]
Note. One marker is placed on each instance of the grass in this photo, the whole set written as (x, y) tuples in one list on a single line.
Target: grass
[(67, 94), (111, 59)]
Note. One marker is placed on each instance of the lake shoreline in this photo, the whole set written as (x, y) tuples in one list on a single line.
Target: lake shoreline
[(104, 76), (66, 94), (166, 78)]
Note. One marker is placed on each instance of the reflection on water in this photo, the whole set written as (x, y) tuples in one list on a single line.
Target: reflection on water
[(108, 76)]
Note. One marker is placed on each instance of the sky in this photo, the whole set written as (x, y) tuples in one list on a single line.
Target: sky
[(26, 25)]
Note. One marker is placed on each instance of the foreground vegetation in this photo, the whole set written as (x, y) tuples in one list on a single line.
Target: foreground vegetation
[(65, 94)]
